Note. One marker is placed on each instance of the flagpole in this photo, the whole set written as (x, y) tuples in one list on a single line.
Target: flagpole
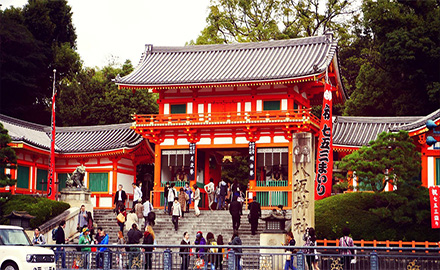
[(50, 181)]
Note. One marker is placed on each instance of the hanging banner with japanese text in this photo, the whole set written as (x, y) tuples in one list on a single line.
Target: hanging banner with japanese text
[(324, 160), (251, 160), (434, 197), (192, 161), (51, 172)]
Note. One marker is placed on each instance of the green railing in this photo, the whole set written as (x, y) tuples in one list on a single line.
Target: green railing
[(273, 198), (176, 183), (272, 183)]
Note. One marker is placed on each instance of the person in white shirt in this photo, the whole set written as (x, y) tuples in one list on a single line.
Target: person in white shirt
[(137, 195), (171, 195), (177, 212), (148, 207), (210, 190)]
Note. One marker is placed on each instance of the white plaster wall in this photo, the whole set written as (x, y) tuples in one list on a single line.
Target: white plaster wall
[(93, 199), (110, 182), (189, 107), (125, 161), (238, 106), (264, 139), (106, 202), (205, 141), (279, 139), (239, 140), (259, 105), (431, 163), (284, 104), (168, 142), (247, 106), (105, 160), (222, 140), (201, 108), (93, 161), (126, 180), (182, 141), (166, 108)]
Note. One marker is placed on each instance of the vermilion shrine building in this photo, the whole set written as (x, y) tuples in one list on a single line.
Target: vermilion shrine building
[(110, 154), (231, 99)]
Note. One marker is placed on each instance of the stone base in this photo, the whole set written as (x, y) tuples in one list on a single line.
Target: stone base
[(272, 239), (77, 197)]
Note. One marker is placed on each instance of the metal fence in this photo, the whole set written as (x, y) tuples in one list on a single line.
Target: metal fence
[(250, 257)]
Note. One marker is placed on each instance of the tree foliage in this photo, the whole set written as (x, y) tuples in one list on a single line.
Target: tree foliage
[(394, 59), (35, 40), (261, 20), (391, 158), (92, 98), (8, 159), (237, 169)]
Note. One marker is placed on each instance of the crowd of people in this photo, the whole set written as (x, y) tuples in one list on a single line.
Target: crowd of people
[(177, 203)]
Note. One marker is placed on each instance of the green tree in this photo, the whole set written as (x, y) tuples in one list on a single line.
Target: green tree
[(8, 159), (398, 56), (237, 169), (391, 158), (261, 20), (92, 98), (35, 40)]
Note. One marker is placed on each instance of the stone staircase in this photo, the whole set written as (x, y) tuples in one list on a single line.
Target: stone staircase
[(217, 222)]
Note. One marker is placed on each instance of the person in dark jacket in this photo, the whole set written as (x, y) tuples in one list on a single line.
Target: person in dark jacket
[(148, 240), (184, 252), (134, 236), (235, 209), (236, 241), (165, 195), (60, 239), (200, 240), (254, 214), (120, 198)]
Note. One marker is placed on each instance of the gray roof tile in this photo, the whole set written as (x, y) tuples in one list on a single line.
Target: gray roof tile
[(241, 62), (359, 131), (72, 140)]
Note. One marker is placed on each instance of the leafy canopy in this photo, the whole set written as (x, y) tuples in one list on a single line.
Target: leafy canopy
[(392, 63), (261, 20), (8, 159), (391, 158)]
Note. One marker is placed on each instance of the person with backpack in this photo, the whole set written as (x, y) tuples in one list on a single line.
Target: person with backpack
[(38, 237), (104, 240), (223, 186), (212, 251), (200, 240), (148, 207)]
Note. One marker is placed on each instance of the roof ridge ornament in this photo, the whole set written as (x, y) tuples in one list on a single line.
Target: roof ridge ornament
[(329, 36)]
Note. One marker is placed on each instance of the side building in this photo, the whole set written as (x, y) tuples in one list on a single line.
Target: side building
[(110, 154)]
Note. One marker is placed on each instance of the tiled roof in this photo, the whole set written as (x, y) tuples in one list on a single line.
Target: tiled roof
[(359, 131), (241, 62), (73, 139), (421, 123)]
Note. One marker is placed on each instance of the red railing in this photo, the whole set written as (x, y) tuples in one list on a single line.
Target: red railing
[(303, 116), (386, 243)]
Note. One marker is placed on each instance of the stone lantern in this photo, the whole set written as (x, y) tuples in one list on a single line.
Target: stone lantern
[(20, 218)]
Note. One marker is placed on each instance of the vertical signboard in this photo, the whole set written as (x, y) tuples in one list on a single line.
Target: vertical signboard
[(251, 160), (324, 160), (192, 161), (434, 197)]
